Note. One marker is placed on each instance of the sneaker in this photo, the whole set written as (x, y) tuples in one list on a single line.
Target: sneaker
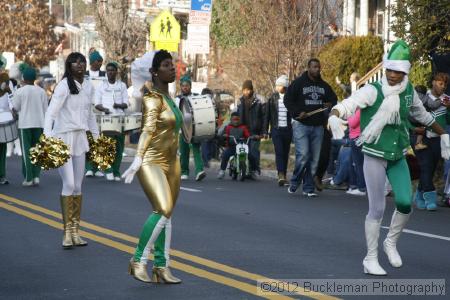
[(221, 174), (117, 178), (27, 183), (89, 174), (309, 194), (200, 176), (356, 192), (36, 181), (99, 174), (291, 189), (184, 177), (109, 176), (4, 181)]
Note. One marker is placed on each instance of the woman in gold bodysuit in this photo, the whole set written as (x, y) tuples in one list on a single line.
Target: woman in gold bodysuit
[(158, 168)]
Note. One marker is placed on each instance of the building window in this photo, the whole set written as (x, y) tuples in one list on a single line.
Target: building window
[(380, 23)]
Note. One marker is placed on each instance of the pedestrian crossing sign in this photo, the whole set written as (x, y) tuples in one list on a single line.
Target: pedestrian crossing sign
[(165, 32)]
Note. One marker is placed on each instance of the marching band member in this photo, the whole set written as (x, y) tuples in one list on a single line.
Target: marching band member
[(95, 75), (185, 148), (30, 102), (4, 107), (157, 165), (68, 117), (111, 97), (385, 106)]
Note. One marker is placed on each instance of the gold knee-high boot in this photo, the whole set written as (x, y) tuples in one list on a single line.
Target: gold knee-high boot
[(75, 218), (66, 211)]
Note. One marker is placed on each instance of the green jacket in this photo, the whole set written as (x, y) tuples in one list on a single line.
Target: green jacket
[(394, 139)]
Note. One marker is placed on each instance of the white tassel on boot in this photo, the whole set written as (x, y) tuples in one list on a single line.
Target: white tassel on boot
[(398, 222), (370, 262)]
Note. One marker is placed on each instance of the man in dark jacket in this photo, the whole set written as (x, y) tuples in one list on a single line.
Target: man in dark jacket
[(251, 112), (307, 99), (278, 121)]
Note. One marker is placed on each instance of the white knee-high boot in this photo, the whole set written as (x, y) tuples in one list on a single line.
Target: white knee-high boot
[(370, 262), (398, 222)]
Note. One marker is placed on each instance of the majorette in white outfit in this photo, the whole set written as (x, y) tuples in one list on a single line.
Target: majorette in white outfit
[(68, 117)]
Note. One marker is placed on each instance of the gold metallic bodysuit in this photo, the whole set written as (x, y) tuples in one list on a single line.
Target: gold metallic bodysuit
[(160, 171)]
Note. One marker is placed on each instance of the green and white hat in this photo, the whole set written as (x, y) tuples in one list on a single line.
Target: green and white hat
[(398, 57)]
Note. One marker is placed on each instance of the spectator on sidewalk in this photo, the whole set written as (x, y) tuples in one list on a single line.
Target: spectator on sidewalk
[(306, 99), (251, 111), (30, 102), (343, 166), (278, 123), (438, 104), (234, 129), (185, 148), (357, 185), (347, 88)]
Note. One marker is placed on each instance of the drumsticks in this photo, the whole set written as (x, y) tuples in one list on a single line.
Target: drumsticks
[(309, 114)]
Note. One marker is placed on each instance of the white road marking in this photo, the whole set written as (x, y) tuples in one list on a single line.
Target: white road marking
[(190, 190), (433, 236)]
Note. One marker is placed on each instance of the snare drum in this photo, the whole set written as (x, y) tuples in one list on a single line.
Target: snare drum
[(200, 111), (132, 121), (110, 124), (8, 127)]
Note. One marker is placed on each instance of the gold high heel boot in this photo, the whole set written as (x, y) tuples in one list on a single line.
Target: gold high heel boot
[(163, 274), (66, 211), (138, 270), (76, 212)]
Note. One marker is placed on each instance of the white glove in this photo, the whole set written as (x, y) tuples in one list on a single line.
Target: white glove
[(128, 175), (445, 146), (337, 127)]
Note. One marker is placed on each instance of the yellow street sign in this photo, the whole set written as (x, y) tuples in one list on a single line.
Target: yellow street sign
[(165, 32)]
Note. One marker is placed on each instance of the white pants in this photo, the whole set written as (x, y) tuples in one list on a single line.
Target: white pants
[(72, 174)]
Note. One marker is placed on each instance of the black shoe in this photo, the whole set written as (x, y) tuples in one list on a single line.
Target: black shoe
[(4, 181), (200, 176), (291, 189)]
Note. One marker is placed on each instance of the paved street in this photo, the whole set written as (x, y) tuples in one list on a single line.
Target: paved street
[(226, 235)]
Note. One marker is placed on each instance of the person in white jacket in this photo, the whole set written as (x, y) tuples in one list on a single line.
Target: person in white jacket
[(68, 117), (30, 102)]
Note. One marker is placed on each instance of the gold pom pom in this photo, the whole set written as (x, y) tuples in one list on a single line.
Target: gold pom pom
[(102, 151), (49, 153)]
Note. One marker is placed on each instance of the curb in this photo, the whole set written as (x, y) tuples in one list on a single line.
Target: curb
[(131, 152)]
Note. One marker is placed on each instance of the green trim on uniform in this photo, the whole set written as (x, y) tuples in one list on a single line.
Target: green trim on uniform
[(146, 233), (29, 137), (185, 150), (394, 139), (160, 247), (2, 160), (400, 180), (120, 145)]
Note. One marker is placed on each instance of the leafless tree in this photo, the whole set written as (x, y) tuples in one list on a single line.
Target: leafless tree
[(123, 35), (278, 37)]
